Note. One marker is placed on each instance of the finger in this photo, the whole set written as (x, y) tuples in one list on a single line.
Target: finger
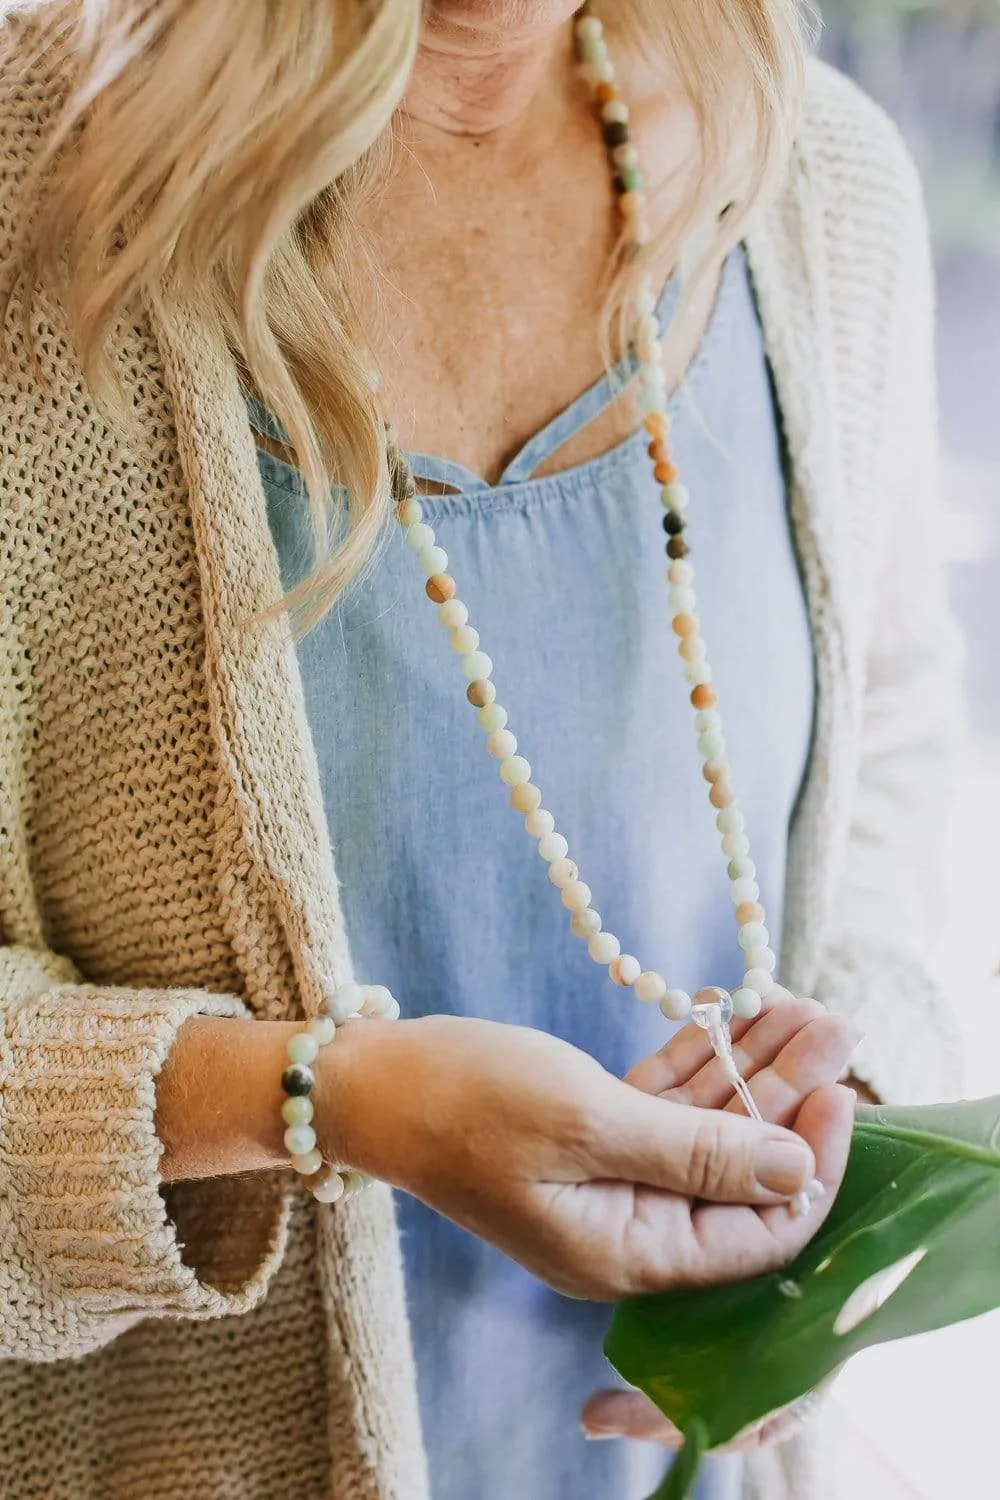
[(735, 1243), (611, 1414), (688, 1064), (757, 1049), (816, 1056), (700, 1153)]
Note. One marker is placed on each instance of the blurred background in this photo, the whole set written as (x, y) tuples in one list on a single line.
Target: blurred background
[(923, 1414)]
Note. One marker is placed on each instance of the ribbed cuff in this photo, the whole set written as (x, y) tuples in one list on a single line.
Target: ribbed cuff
[(912, 1051), (79, 1164)]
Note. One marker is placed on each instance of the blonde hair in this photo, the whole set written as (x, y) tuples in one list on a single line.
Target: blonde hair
[(218, 150)]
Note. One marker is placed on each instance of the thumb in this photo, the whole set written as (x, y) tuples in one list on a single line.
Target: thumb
[(704, 1153)]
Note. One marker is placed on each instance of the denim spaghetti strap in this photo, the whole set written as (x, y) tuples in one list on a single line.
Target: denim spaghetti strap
[(538, 449)]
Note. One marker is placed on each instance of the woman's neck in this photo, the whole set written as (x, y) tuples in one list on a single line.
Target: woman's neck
[(473, 78)]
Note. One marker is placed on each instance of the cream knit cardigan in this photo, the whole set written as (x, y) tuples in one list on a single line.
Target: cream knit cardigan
[(163, 848)]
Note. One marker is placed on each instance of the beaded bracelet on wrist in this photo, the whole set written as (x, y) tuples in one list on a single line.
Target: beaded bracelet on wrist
[(328, 1184)]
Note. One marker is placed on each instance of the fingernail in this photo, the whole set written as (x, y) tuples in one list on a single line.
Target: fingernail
[(598, 1434), (782, 1167)]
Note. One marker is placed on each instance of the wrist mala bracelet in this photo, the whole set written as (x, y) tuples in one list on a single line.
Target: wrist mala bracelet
[(326, 1183)]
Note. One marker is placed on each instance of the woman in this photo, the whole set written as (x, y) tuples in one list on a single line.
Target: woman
[(208, 249)]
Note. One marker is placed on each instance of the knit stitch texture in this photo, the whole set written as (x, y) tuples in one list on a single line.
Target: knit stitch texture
[(163, 850)]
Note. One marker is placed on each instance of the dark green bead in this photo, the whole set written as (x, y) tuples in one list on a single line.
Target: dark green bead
[(297, 1080), (673, 524), (629, 180)]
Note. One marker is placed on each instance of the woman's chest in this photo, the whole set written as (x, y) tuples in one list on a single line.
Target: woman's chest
[(564, 579)]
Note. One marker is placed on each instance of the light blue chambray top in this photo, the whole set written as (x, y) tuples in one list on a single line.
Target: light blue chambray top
[(446, 900)]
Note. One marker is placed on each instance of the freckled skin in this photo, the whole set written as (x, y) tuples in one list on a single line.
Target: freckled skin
[(496, 231)]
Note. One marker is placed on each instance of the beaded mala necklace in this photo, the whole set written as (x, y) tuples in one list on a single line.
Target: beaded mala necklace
[(712, 1009)]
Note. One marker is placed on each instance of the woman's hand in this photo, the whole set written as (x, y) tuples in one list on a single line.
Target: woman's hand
[(596, 1186), (790, 1050)]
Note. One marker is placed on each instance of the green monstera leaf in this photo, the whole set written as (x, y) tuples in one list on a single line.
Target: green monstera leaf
[(912, 1244)]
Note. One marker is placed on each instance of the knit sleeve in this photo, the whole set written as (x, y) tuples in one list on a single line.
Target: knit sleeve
[(90, 1239), (881, 959)]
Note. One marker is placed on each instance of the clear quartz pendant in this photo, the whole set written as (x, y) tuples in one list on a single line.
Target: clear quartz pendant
[(712, 1010)]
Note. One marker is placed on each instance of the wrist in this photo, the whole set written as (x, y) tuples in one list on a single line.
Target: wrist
[(347, 1095)]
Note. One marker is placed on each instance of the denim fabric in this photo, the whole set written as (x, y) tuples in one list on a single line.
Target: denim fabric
[(446, 899)]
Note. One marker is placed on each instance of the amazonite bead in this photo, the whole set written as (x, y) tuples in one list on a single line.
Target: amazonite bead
[(650, 987), (297, 1110), (562, 871), (501, 744), (299, 1139), (753, 935), (492, 717), (759, 980), (476, 665), (323, 1029), (676, 1005), (576, 895), (711, 744), (589, 27), (698, 673), (346, 1002), (433, 560), (553, 846), (747, 1004), (525, 798), (730, 820), (632, 179), (539, 823), (694, 649), (762, 958), (741, 868), (379, 1000), (592, 45), (302, 1048), (615, 112), (330, 1190), (409, 511), (736, 843), (625, 970), (420, 537), (680, 571), (307, 1164), (453, 614), (464, 638), (604, 947), (515, 771), (355, 1182), (682, 601), (585, 924), (708, 719), (676, 497), (744, 889)]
